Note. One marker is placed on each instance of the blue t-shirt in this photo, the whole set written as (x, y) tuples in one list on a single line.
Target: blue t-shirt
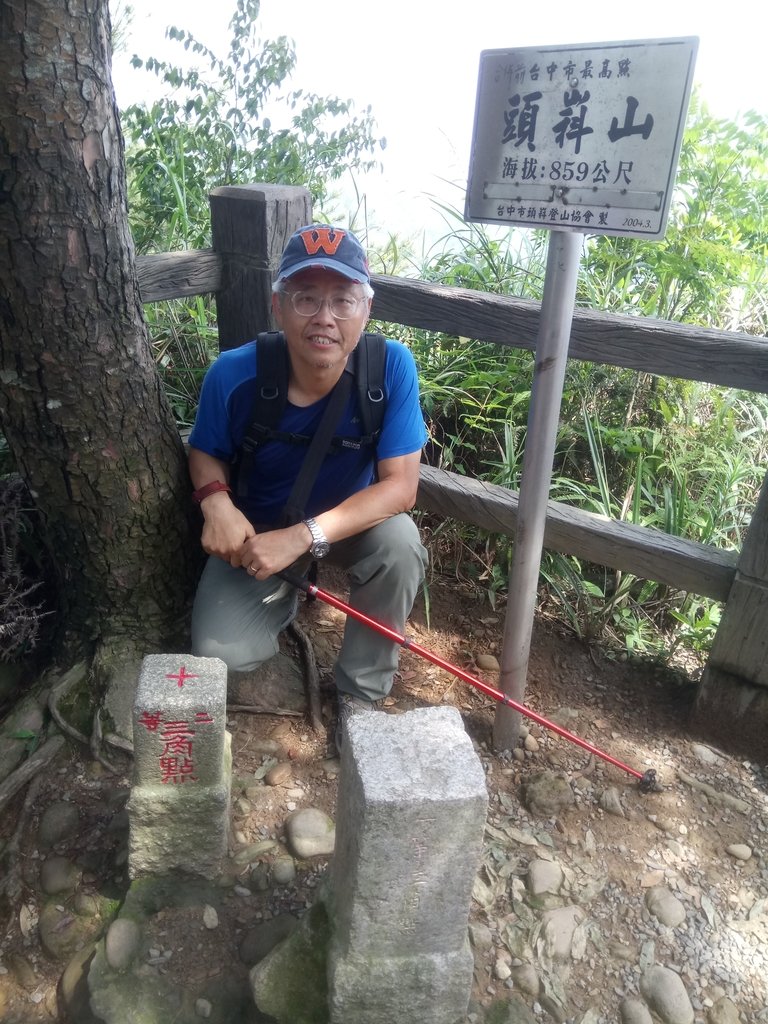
[(226, 408)]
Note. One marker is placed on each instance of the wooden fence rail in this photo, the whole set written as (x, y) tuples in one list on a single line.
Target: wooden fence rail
[(638, 343)]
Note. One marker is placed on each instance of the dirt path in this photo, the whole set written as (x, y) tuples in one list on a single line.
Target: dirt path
[(613, 854)]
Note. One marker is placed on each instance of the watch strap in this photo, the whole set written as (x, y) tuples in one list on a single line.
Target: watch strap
[(318, 537), (202, 492)]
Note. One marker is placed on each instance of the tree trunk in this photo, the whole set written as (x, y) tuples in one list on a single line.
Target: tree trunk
[(81, 405)]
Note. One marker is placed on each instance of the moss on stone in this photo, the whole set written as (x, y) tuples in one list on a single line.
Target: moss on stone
[(290, 984)]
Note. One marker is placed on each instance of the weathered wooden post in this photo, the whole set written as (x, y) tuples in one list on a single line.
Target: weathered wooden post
[(250, 225), (732, 703)]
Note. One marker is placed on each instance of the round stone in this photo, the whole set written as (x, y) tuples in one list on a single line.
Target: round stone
[(122, 943), (311, 833), (61, 932), (723, 1012), (210, 917), (23, 972), (634, 1011), (85, 904), (502, 970), (665, 906), (664, 992), (59, 821), (544, 876), (280, 775), (59, 875), (739, 851), (283, 870), (527, 980)]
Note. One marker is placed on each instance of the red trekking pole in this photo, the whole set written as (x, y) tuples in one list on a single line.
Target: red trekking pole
[(648, 780)]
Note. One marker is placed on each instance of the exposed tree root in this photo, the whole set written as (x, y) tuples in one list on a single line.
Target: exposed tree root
[(96, 741), (26, 771), (119, 742), (257, 709), (59, 691), (311, 675), (71, 678), (10, 883)]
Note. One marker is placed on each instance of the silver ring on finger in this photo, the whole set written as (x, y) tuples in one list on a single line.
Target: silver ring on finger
[(252, 570)]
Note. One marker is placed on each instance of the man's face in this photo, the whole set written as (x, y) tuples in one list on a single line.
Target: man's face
[(321, 341)]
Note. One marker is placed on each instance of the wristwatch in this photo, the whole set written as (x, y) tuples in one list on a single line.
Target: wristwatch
[(320, 546)]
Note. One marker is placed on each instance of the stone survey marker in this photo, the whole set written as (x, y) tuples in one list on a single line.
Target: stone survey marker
[(179, 804), (411, 810)]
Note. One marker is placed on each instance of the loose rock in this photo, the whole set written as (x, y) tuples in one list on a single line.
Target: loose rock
[(723, 1012), (527, 980), (23, 972), (610, 801), (311, 833), (122, 943), (739, 851), (59, 875), (481, 936), (501, 970), (633, 1011), (558, 927), (280, 775), (544, 876), (666, 995), (59, 821), (283, 870), (665, 906), (546, 793)]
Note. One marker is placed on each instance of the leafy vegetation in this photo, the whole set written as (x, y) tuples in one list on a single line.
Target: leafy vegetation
[(231, 119)]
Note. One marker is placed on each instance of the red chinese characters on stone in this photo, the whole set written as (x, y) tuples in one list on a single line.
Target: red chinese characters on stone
[(150, 720), (176, 763), (181, 676), (176, 758)]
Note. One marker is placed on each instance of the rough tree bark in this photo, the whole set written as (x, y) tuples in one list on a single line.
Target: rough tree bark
[(81, 405)]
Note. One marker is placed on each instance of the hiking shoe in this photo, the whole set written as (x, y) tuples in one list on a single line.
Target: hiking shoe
[(346, 706)]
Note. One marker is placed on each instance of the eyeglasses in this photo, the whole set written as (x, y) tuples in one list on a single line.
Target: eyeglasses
[(341, 307)]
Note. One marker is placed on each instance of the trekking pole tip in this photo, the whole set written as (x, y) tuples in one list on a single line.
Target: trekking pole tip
[(650, 782)]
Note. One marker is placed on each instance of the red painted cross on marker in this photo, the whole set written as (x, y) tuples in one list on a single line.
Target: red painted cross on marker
[(182, 675)]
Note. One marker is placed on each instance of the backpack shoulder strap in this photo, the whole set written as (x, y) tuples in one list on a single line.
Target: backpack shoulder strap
[(271, 380), (370, 357), (269, 400)]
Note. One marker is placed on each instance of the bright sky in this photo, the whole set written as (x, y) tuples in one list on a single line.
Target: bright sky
[(415, 62)]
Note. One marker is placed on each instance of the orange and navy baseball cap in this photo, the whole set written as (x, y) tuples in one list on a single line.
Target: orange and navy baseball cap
[(321, 245)]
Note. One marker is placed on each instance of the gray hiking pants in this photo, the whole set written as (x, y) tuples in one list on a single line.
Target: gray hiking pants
[(385, 566)]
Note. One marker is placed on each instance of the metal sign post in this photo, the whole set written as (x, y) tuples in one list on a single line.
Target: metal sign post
[(543, 417), (575, 139)]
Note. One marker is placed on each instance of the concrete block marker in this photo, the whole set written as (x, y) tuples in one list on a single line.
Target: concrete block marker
[(179, 805), (411, 811)]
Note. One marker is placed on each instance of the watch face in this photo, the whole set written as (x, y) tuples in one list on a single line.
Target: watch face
[(320, 549)]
